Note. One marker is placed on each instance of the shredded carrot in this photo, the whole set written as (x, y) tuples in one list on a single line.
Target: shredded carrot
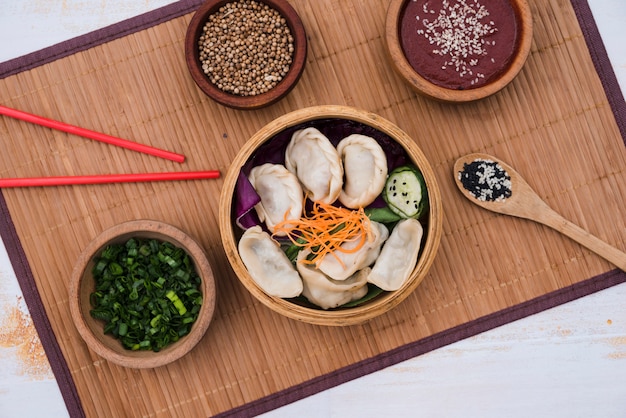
[(325, 229)]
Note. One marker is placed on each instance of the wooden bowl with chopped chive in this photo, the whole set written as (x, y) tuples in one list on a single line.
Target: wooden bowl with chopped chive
[(246, 54), (456, 52), (142, 294), (337, 298)]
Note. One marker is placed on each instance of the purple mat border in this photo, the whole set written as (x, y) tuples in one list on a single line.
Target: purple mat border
[(37, 311), (8, 233), (425, 345), (98, 37), (601, 62), (32, 298)]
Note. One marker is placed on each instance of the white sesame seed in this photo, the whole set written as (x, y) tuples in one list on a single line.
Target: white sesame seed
[(458, 32)]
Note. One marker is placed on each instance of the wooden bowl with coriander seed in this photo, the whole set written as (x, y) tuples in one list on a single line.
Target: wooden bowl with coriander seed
[(341, 305), (142, 294), (458, 51), (246, 54)]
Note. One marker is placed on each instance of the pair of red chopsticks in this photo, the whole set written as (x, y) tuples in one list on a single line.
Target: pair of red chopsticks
[(105, 178)]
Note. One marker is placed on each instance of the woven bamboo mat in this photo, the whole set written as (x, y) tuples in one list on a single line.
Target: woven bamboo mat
[(554, 123)]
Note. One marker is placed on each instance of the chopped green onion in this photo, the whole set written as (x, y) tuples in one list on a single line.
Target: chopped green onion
[(147, 293), (171, 295), (115, 269)]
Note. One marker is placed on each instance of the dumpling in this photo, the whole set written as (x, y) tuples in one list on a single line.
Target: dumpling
[(398, 256), (340, 265), (280, 192), (268, 265), (326, 292), (315, 161), (365, 170)]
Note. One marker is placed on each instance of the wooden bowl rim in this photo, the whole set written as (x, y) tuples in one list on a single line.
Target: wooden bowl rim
[(433, 91), (246, 102), (379, 305), (79, 304)]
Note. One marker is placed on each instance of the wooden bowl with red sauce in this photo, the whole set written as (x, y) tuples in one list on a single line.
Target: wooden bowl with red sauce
[(458, 51), (239, 100)]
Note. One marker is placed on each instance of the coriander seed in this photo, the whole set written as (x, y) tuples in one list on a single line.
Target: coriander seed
[(246, 48)]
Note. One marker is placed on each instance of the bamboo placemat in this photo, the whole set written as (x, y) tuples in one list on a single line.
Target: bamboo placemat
[(555, 123)]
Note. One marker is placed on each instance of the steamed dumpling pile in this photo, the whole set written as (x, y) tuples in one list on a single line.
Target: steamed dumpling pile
[(365, 167), (314, 160), (398, 256), (268, 265), (342, 264), (328, 293), (353, 174), (280, 192)]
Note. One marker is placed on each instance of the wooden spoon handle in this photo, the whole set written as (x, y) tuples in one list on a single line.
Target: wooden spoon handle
[(584, 238)]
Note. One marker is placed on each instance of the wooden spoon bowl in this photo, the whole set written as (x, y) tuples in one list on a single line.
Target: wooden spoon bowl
[(525, 203)]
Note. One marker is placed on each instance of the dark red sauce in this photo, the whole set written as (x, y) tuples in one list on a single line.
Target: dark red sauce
[(459, 44)]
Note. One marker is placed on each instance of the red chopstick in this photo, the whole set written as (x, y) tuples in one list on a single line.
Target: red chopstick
[(86, 133), (107, 178)]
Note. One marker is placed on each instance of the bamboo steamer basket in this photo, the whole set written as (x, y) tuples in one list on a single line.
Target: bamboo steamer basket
[(342, 316)]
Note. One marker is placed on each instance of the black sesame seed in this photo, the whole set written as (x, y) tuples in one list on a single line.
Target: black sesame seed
[(486, 180)]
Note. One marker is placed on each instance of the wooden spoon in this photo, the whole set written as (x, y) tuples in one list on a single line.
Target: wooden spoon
[(525, 203)]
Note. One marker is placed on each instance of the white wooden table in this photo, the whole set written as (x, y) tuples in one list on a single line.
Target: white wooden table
[(569, 361)]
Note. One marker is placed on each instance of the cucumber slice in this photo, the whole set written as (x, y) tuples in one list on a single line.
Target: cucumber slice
[(405, 192)]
